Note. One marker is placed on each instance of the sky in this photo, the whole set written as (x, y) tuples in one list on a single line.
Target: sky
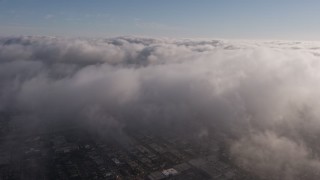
[(246, 19)]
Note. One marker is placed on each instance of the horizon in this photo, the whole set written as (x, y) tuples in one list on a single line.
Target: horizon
[(265, 20)]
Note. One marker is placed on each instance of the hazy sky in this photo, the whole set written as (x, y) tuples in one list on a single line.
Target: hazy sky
[(268, 19)]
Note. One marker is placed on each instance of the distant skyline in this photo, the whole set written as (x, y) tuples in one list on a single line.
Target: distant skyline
[(245, 19)]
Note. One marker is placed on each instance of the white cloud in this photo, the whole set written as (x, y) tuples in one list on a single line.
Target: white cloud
[(263, 96), (49, 16)]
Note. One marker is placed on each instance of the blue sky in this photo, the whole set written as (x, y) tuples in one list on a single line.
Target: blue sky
[(240, 19)]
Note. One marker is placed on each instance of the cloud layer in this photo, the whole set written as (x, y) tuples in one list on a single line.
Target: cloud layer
[(264, 96)]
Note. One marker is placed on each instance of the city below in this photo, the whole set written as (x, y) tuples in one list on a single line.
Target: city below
[(75, 153)]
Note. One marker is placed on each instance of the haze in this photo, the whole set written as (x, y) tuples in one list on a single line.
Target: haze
[(159, 90)]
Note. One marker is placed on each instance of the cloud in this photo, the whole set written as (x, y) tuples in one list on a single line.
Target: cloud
[(262, 96), (269, 155), (49, 16)]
